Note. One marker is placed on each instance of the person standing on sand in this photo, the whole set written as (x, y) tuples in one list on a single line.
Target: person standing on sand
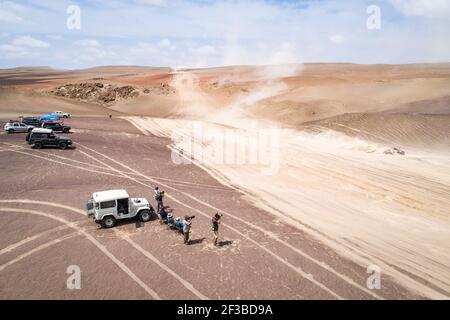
[(187, 228), (216, 219), (158, 195)]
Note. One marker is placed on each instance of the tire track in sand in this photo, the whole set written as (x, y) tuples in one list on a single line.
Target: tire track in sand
[(296, 269), (97, 168), (267, 233), (147, 254), (73, 225)]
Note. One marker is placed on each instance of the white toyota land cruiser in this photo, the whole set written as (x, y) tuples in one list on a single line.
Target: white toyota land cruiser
[(107, 207)]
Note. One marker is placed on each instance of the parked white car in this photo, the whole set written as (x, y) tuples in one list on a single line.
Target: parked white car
[(107, 207), (12, 127), (61, 114)]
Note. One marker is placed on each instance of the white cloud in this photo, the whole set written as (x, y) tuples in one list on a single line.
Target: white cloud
[(95, 54), (19, 48), (423, 8), (88, 43), (11, 48), (203, 50), (158, 3), (9, 51), (165, 43), (144, 48), (10, 17), (55, 37), (337, 39), (9, 12), (28, 41)]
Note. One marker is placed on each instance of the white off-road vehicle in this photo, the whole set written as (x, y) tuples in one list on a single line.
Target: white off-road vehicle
[(61, 114), (107, 207)]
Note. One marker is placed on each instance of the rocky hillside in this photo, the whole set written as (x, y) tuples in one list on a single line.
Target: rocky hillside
[(95, 92), (105, 93)]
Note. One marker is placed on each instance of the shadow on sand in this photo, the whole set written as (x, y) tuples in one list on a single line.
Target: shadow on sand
[(196, 241), (224, 243)]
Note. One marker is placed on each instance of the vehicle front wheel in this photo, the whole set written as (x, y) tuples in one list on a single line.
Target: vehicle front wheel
[(63, 145), (108, 222), (10, 131), (38, 145), (66, 130), (144, 215)]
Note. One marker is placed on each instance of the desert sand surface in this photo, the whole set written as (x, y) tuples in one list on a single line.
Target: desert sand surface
[(330, 178), (45, 229)]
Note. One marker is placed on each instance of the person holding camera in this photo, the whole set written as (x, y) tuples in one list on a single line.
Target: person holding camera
[(158, 195), (216, 220), (187, 228)]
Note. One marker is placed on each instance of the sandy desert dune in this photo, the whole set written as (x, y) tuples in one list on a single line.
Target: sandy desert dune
[(334, 122)]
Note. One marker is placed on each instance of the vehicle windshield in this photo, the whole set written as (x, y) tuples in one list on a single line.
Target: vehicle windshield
[(90, 205)]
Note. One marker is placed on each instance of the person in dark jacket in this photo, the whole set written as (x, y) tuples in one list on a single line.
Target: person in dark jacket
[(163, 213), (216, 219)]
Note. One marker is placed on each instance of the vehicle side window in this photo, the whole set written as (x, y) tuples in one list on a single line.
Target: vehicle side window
[(36, 135), (108, 204)]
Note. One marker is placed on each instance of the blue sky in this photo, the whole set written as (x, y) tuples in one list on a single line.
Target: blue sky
[(201, 33)]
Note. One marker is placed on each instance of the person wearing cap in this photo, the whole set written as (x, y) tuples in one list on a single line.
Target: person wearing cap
[(216, 219), (178, 223), (170, 220), (187, 228)]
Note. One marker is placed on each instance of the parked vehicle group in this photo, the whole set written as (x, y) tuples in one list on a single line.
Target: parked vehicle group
[(105, 207), (40, 130)]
